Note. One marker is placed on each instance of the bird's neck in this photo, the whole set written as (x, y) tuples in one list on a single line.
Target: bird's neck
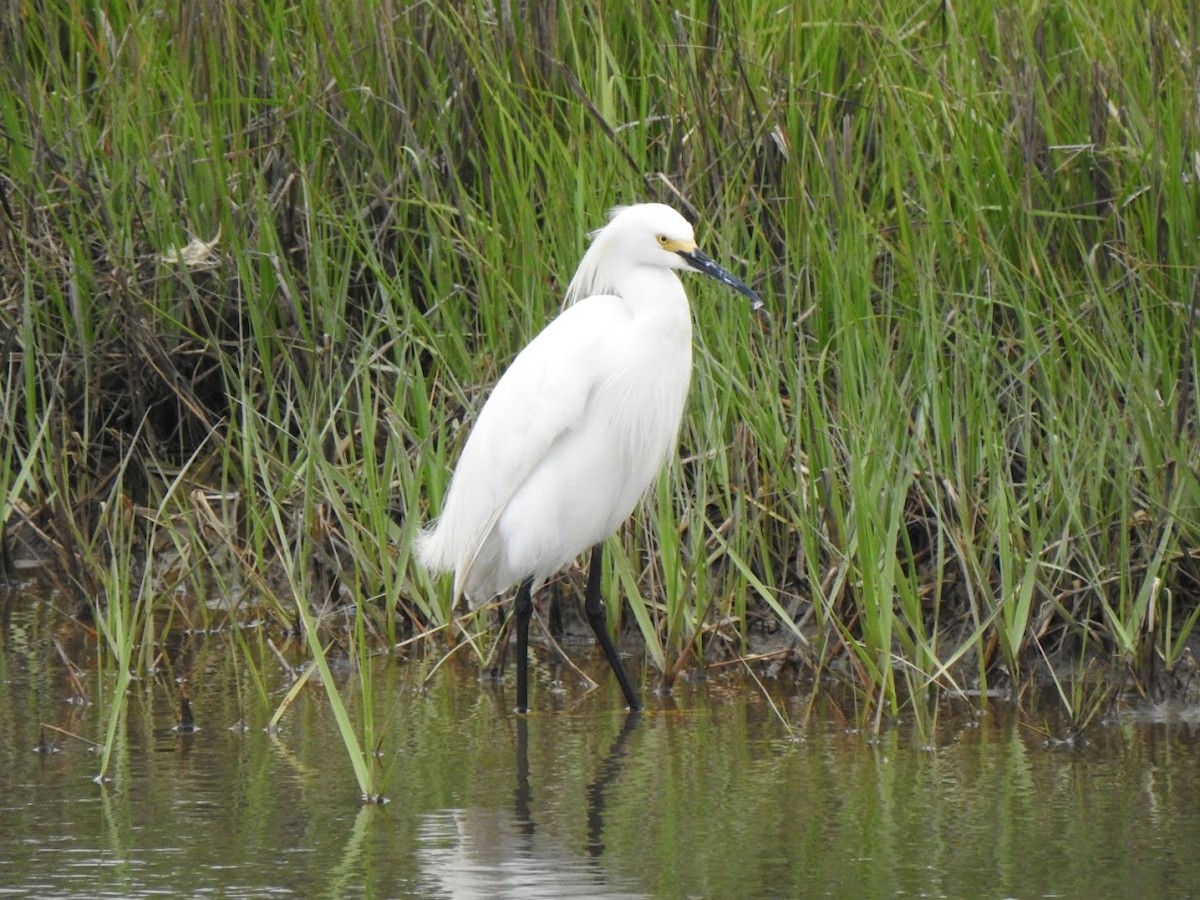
[(649, 284)]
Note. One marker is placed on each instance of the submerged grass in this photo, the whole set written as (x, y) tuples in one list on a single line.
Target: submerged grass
[(260, 263)]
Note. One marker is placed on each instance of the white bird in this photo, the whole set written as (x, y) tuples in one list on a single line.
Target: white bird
[(576, 429)]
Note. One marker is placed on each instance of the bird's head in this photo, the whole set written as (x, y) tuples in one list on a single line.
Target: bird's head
[(648, 234)]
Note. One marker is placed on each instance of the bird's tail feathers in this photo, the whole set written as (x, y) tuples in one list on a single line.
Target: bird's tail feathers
[(431, 551), (437, 553)]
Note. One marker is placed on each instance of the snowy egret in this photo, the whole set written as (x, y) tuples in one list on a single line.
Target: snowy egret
[(576, 429)]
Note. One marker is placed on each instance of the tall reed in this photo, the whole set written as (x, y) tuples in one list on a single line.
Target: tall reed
[(260, 263)]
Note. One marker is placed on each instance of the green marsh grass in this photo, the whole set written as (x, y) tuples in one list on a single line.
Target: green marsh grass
[(959, 454)]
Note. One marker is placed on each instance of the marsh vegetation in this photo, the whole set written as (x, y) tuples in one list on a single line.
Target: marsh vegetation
[(260, 262)]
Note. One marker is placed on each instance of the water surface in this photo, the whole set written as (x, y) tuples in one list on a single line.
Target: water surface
[(706, 794)]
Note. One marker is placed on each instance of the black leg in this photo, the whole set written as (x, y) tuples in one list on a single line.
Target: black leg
[(557, 631), (523, 612), (501, 654), (593, 607)]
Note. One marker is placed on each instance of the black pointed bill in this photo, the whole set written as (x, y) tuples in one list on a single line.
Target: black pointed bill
[(702, 262)]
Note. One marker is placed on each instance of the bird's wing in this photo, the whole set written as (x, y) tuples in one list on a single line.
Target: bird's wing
[(543, 395)]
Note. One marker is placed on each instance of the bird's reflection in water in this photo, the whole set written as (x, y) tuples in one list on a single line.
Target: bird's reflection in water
[(605, 775), (523, 795), (469, 853)]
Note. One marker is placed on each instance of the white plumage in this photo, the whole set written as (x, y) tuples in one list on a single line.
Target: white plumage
[(578, 426)]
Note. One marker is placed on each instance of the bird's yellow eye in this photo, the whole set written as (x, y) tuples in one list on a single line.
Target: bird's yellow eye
[(662, 239)]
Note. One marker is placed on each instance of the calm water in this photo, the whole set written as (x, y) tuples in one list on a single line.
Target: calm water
[(704, 795)]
